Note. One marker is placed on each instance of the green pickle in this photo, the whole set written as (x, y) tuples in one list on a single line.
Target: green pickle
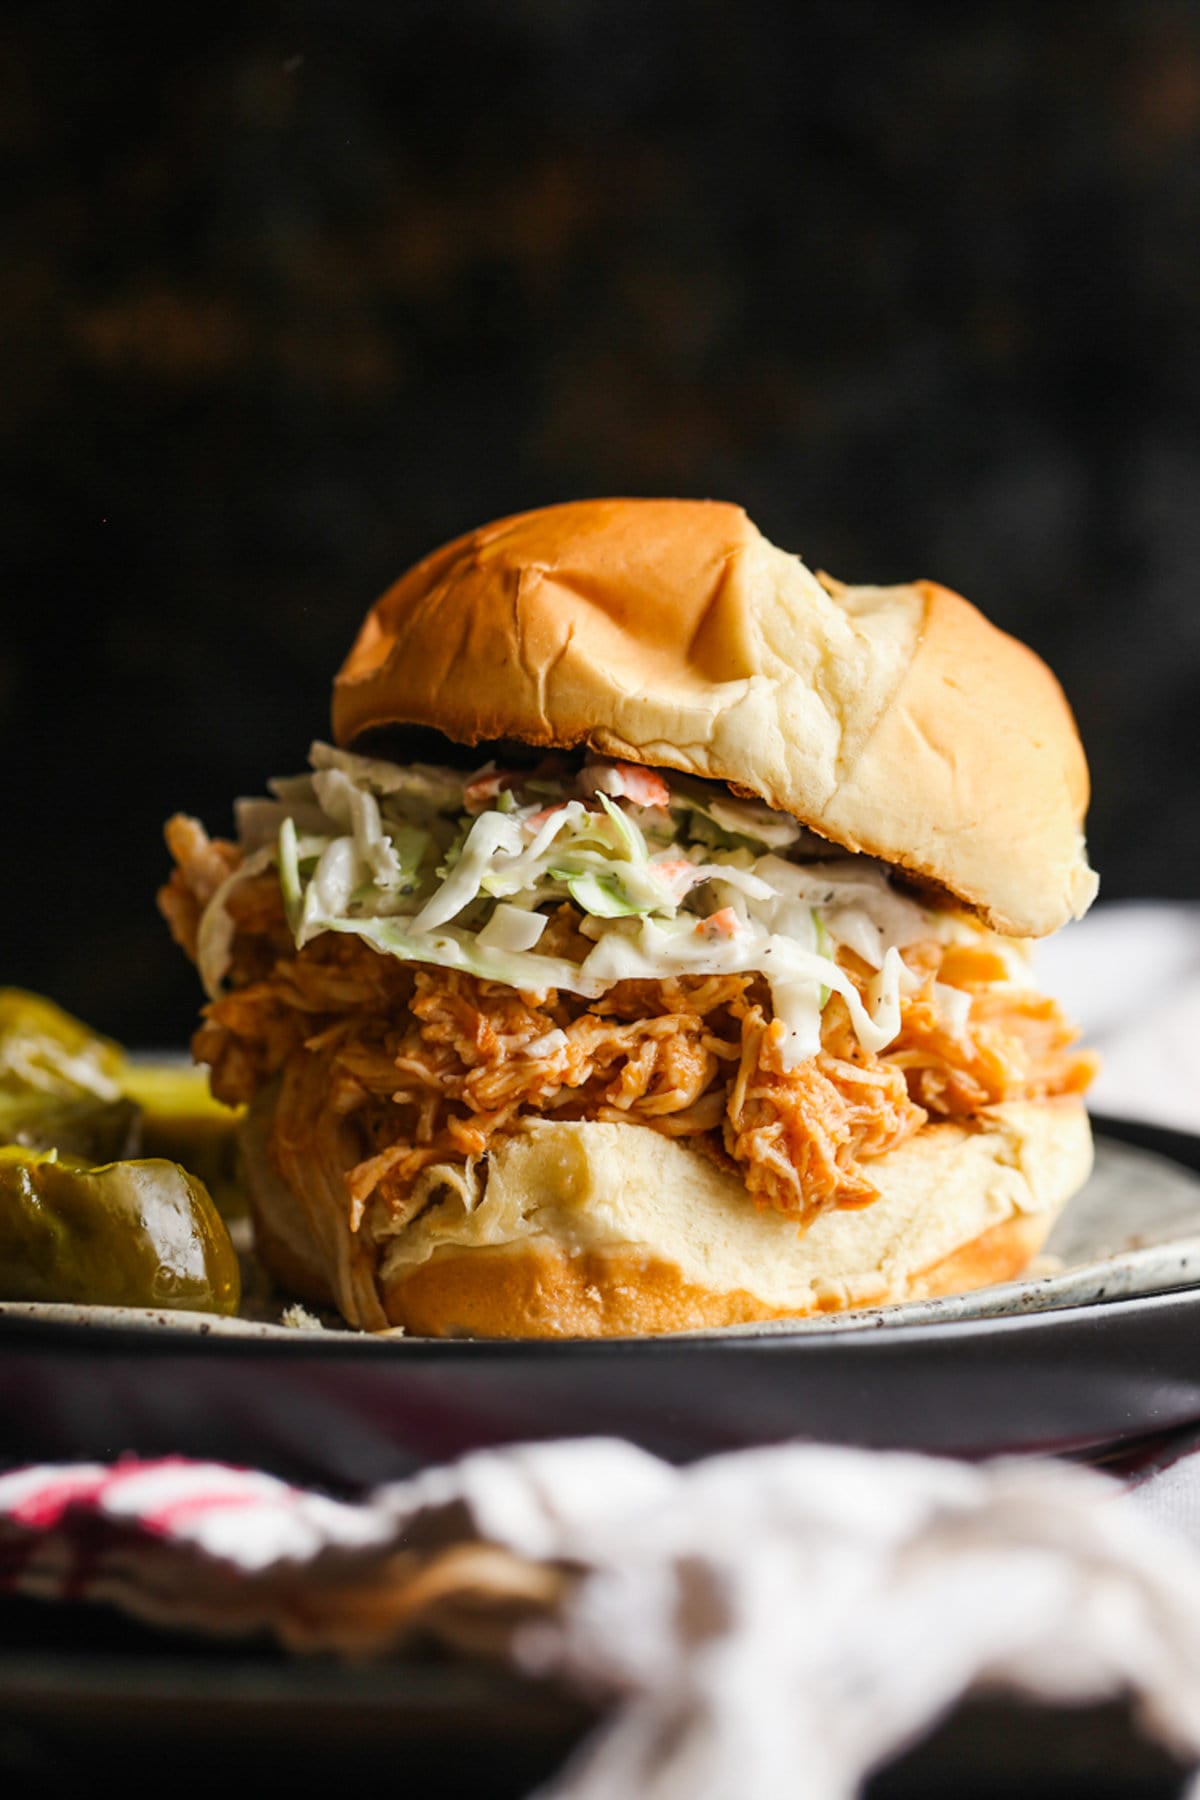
[(140, 1233), (61, 1084), (181, 1121), (42, 1048), (123, 1233), (96, 1130)]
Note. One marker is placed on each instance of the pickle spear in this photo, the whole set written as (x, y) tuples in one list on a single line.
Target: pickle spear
[(124, 1234)]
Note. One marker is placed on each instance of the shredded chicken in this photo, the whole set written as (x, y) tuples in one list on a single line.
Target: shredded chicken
[(387, 1067)]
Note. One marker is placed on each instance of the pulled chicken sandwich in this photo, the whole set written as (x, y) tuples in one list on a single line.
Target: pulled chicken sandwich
[(650, 948)]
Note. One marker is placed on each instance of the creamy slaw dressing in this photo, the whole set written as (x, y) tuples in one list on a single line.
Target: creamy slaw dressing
[(672, 876)]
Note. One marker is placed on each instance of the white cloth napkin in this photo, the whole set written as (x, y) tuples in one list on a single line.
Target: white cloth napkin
[(1130, 975), (792, 1609), (760, 1624)]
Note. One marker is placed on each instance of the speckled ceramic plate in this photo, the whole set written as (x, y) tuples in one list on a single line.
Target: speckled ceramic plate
[(1099, 1344)]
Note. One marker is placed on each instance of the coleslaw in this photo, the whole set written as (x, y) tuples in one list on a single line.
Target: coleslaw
[(669, 875)]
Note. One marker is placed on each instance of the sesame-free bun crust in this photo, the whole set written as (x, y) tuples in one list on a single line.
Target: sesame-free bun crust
[(540, 1290), (895, 721), (581, 1229)]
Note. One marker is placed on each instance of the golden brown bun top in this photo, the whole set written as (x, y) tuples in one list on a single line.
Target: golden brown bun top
[(895, 721)]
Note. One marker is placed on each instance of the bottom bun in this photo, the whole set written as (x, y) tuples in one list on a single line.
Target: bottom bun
[(606, 1230)]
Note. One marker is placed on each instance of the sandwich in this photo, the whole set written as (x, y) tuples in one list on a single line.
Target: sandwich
[(650, 948)]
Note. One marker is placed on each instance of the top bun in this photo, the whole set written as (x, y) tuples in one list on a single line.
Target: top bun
[(892, 720)]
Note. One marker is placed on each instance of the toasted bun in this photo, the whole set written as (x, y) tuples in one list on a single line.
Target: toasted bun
[(284, 1241), (895, 721), (602, 1230)]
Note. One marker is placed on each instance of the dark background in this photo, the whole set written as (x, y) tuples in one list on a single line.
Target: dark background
[(290, 294)]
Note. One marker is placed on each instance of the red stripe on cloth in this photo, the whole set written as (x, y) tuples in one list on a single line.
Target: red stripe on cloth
[(66, 1490), (72, 1509), (164, 1519), (45, 1506)]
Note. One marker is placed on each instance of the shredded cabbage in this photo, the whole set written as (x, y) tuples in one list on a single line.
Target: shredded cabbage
[(511, 928), (214, 938), (432, 866)]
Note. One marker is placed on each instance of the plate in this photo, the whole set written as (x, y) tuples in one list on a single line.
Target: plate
[(1096, 1347)]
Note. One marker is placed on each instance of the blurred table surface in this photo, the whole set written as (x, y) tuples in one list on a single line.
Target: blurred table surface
[(84, 1691)]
